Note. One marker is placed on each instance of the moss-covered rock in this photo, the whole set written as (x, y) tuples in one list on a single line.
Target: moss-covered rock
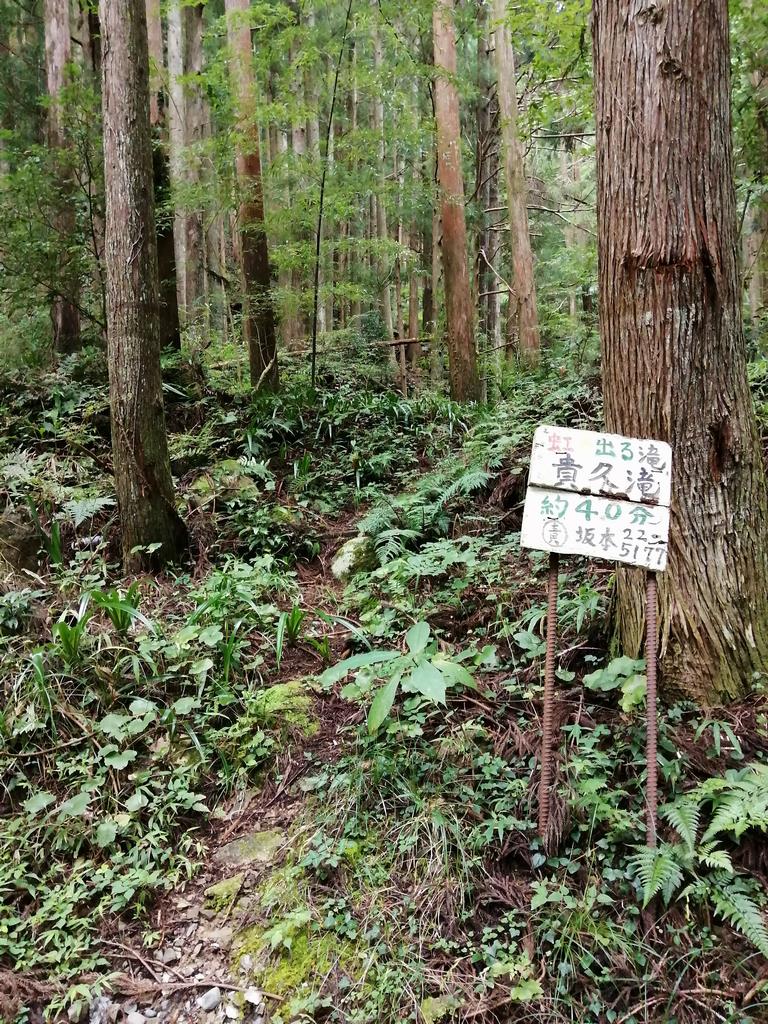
[(223, 894), (256, 848), (357, 555), (437, 1008), (287, 704)]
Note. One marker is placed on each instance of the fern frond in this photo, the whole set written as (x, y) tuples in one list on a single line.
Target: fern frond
[(684, 816), (659, 872), (78, 510), (740, 910)]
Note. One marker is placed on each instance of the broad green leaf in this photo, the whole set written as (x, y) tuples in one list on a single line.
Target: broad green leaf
[(114, 725), (633, 692), (136, 802), (336, 672), (200, 669), (184, 705), (141, 707), (417, 637), (76, 806), (105, 833), (211, 636), (526, 990), (428, 680), (38, 802), (382, 705), (454, 673), (121, 759)]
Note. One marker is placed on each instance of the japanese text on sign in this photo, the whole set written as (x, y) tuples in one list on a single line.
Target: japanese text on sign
[(598, 494)]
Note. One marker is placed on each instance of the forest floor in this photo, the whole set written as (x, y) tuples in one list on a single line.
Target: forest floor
[(203, 819)]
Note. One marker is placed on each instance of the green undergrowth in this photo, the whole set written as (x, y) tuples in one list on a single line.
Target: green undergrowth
[(416, 887)]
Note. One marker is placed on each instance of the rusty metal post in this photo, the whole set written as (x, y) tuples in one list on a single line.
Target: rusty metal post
[(547, 733), (651, 643)]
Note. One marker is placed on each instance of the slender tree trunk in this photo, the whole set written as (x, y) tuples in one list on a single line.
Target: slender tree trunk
[(143, 481), (357, 226), (674, 364), (186, 127), (259, 312), (170, 335), (382, 232), (65, 317), (517, 192), (462, 360)]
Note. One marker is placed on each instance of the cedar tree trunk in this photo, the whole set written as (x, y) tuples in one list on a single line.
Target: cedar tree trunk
[(139, 443), (674, 364)]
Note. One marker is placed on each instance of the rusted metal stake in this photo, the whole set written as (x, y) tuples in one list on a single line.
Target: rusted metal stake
[(651, 643), (547, 733)]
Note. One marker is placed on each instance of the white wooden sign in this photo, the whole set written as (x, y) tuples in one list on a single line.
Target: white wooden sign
[(597, 494)]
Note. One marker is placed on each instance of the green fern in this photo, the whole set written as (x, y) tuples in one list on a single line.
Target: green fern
[(733, 904), (81, 509), (684, 816), (659, 871)]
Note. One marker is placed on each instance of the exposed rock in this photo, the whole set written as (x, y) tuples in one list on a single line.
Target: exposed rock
[(103, 1011), (169, 955), (356, 555), (219, 938), (231, 1012), (253, 995), (135, 1018), (210, 1000), (223, 894), (256, 848)]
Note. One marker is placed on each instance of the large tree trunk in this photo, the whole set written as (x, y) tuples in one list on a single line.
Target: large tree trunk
[(462, 360), (259, 320), (674, 364), (143, 481), (517, 192), (58, 53), (170, 336)]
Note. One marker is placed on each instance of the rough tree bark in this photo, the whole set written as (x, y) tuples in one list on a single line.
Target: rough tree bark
[(517, 192), (139, 442), (382, 231), (186, 118), (462, 360), (170, 336), (259, 319), (65, 317), (674, 364)]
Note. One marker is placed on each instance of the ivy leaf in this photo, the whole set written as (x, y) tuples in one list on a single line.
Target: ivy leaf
[(139, 707), (428, 680), (200, 669), (211, 636), (76, 806), (417, 637), (38, 802), (184, 705), (136, 802), (382, 705), (121, 759), (114, 725)]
